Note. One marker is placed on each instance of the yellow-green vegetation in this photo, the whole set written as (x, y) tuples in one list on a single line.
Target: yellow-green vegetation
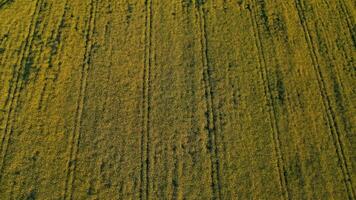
[(177, 99)]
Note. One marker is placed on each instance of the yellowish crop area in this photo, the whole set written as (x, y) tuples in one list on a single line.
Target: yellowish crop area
[(177, 99)]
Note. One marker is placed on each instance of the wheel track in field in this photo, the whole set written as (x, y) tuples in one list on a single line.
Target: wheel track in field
[(272, 113), (328, 41), (175, 181), (212, 125), (341, 98), (25, 47), (4, 55), (146, 104), (334, 130), (39, 31), (4, 2), (12, 99), (55, 48), (24, 53), (349, 20), (327, 35), (3, 41), (76, 135)]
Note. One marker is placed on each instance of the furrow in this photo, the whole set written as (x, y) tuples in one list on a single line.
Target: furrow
[(272, 112), (334, 130), (211, 112), (76, 134)]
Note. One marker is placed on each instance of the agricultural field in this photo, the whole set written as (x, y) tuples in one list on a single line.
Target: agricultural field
[(177, 99)]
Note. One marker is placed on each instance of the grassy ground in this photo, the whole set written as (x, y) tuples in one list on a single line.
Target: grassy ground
[(181, 99)]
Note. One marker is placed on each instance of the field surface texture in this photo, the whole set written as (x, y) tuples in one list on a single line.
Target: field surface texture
[(177, 99)]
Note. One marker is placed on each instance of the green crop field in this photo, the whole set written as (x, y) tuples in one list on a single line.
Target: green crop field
[(177, 99)]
